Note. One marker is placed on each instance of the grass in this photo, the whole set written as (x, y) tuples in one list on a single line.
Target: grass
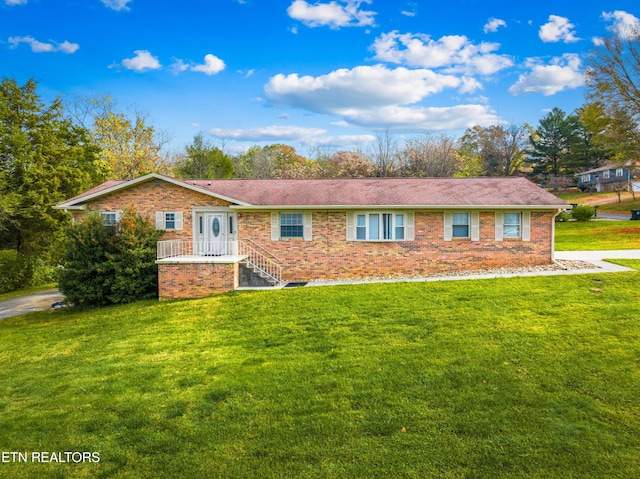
[(597, 235), (509, 378), (607, 201)]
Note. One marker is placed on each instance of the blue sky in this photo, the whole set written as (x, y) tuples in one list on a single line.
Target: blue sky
[(324, 73)]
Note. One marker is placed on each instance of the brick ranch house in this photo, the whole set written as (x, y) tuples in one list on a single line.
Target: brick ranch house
[(224, 234)]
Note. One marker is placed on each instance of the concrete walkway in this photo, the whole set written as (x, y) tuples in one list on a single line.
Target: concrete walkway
[(31, 302)]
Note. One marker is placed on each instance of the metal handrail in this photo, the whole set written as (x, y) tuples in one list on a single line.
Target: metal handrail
[(177, 247), (174, 248), (260, 261), (262, 248)]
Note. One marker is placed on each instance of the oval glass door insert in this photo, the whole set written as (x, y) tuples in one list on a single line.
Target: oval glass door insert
[(215, 227)]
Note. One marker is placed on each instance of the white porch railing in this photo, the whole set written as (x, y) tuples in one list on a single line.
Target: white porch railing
[(259, 261), (174, 248), (255, 259)]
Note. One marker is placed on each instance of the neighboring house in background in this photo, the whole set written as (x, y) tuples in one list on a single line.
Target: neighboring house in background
[(610, 178), (224, 234)]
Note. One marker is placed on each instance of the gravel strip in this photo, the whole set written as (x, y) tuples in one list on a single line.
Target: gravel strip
[(559, 265)]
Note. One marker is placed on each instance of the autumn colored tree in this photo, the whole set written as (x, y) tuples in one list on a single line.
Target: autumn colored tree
[(430, 156), (270, 161), (129, 145), (501, 149), (346, 164)]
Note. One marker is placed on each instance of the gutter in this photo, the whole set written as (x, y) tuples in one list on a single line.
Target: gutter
[(400, 207)]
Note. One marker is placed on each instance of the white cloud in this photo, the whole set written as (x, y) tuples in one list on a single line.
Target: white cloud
[(116, 5), (360, 87), (141, 62), (557, 29), (335, 14), (625, 25), (493, 24), (375, 96), (341, 141), (179, 66), (408, 13), (12, 3), (458, 117), (41, 47), (212, 65), (561, 74), (455, 52), (268, 133)]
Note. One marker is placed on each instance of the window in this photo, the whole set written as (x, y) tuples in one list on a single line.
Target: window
[(513, 225), (380, 226), (605, 174), (511, 228), (109, 218), (586, 178), (460, 225), (619, 172), (169, 220), (291, 225)]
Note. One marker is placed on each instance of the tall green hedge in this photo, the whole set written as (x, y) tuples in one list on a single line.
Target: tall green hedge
[(110, 264)]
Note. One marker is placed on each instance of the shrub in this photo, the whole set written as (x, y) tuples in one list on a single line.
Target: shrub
[(583, 212), (563, 216), (13, 268), (110, 264)]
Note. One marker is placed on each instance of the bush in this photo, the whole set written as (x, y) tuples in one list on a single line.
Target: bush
[(563, 216), (13, 269), (583, 212), (110, 264)]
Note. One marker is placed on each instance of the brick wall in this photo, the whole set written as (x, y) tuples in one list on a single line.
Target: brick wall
[(154, 196), (195, 280), (330, 256)]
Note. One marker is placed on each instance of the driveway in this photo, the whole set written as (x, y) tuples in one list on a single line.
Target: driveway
[(31, 302)]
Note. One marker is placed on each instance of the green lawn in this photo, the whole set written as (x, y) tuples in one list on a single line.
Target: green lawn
[(597, 235), (504, 378)]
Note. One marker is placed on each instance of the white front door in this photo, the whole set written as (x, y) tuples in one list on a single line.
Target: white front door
[(215, 234)]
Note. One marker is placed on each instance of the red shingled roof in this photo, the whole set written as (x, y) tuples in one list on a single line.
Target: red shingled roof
[(418, 192), (384, 192)]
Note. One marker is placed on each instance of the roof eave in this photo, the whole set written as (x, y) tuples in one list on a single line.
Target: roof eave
[(144, 179), (397, 207)]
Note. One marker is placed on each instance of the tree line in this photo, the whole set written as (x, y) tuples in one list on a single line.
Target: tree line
[(53, 151)]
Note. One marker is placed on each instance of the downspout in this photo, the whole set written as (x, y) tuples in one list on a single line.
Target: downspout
[(553, 241)]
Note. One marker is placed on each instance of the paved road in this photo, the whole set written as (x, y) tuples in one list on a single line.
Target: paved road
[(32, 302)]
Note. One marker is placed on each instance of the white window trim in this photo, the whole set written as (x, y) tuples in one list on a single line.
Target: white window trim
[(307, 226), (118, 215), (619, 172), (408, 220), (161, 220), (606, 174), (474, 226), (525, 226)]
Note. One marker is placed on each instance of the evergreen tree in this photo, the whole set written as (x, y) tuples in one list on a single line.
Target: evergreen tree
[(86, 268), (550, 146), (110, 264), (203, 160), (44, 159)]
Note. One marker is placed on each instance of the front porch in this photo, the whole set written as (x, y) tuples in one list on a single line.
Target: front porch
[(194, 269)]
